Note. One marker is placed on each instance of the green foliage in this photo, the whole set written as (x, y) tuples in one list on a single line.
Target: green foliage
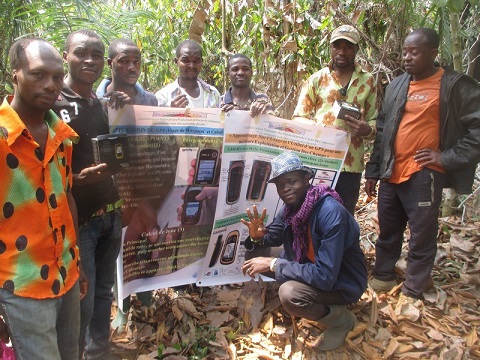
[(160, 350), (196, 350), (286, 40), (50, 19), (232, 334)]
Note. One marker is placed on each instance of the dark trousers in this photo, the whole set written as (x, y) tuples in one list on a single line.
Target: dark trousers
[(297, 298), (348, 187), (415, 202), (307, 302)]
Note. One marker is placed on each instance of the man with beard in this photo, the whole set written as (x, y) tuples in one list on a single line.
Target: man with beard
[(322, 268), (39, 287), (188, 90), (98, 203), (343, 80), (240, 96)]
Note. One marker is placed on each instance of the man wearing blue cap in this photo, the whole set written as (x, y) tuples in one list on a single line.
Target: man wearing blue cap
[(322, 268)]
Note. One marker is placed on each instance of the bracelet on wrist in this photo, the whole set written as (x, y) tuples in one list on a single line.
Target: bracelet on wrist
[(256, 240), (370, 133)]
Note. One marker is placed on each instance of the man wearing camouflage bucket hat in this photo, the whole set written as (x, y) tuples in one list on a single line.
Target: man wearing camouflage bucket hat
[(343, 80), (322, 267)]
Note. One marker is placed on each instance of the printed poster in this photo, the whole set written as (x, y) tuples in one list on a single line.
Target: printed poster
[(173, 154), (248, 148), (192, 174)]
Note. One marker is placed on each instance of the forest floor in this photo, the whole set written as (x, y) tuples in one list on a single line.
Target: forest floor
[(246, 321)]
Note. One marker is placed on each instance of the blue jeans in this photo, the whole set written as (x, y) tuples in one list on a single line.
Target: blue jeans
[(100, 240), (43, 329), (416, 202)]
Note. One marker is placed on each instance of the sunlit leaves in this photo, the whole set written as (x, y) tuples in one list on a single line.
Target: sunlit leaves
[(279, 36)]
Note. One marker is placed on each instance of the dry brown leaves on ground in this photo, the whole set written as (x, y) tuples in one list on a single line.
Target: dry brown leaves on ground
[(246, 321)]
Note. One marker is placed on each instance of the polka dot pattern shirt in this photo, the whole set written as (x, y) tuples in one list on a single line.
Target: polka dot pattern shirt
[(38, 250)]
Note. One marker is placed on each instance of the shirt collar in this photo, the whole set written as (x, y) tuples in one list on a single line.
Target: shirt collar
[(358, 67), (14, 126), (102, 88), (206, 87), (228, 97), (67, 92)]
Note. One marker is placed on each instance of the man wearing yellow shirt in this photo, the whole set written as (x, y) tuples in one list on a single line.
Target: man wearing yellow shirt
[(343, 80)]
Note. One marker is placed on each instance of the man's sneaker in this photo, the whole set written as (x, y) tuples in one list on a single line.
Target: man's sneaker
[(382, 286)]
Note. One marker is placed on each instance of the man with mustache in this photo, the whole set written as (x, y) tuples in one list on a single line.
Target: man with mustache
[(98, 203), (39, 274), (343, 80)]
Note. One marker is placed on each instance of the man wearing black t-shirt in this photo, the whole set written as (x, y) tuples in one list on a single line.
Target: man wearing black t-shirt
[(98, 203)]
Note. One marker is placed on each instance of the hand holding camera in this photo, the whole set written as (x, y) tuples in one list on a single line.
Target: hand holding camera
[(353, 117)]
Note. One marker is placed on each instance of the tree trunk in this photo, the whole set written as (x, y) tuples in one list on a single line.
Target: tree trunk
[(473, 68), (456, 42), (225, 51), (450, 198), (289, 44)]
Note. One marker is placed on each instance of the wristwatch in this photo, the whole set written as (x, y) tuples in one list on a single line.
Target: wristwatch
[(273, 264)]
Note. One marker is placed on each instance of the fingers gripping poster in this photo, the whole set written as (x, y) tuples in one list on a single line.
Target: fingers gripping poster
[(191, 175)]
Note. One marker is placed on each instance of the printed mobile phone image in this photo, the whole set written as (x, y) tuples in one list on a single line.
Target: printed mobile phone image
[(234, 184), (258, 180), (191, 207), (230, 248), (206, 166), (216, 251)]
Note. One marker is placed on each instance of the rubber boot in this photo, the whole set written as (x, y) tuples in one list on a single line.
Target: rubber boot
[(120, 321), (338, 323)]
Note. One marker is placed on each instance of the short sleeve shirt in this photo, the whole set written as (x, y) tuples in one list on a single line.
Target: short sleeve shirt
[(318, 95), (38, 248), (227, 98), (142, 97), (89, 119), (211, 97), (419, 127)]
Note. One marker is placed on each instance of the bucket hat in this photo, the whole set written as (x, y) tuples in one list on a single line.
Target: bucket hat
[(287, 162)]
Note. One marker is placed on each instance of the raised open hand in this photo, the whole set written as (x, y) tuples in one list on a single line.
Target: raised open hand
[(256, 226)]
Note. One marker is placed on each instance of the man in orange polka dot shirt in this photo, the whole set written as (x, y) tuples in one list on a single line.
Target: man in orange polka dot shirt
[(39, 275)]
